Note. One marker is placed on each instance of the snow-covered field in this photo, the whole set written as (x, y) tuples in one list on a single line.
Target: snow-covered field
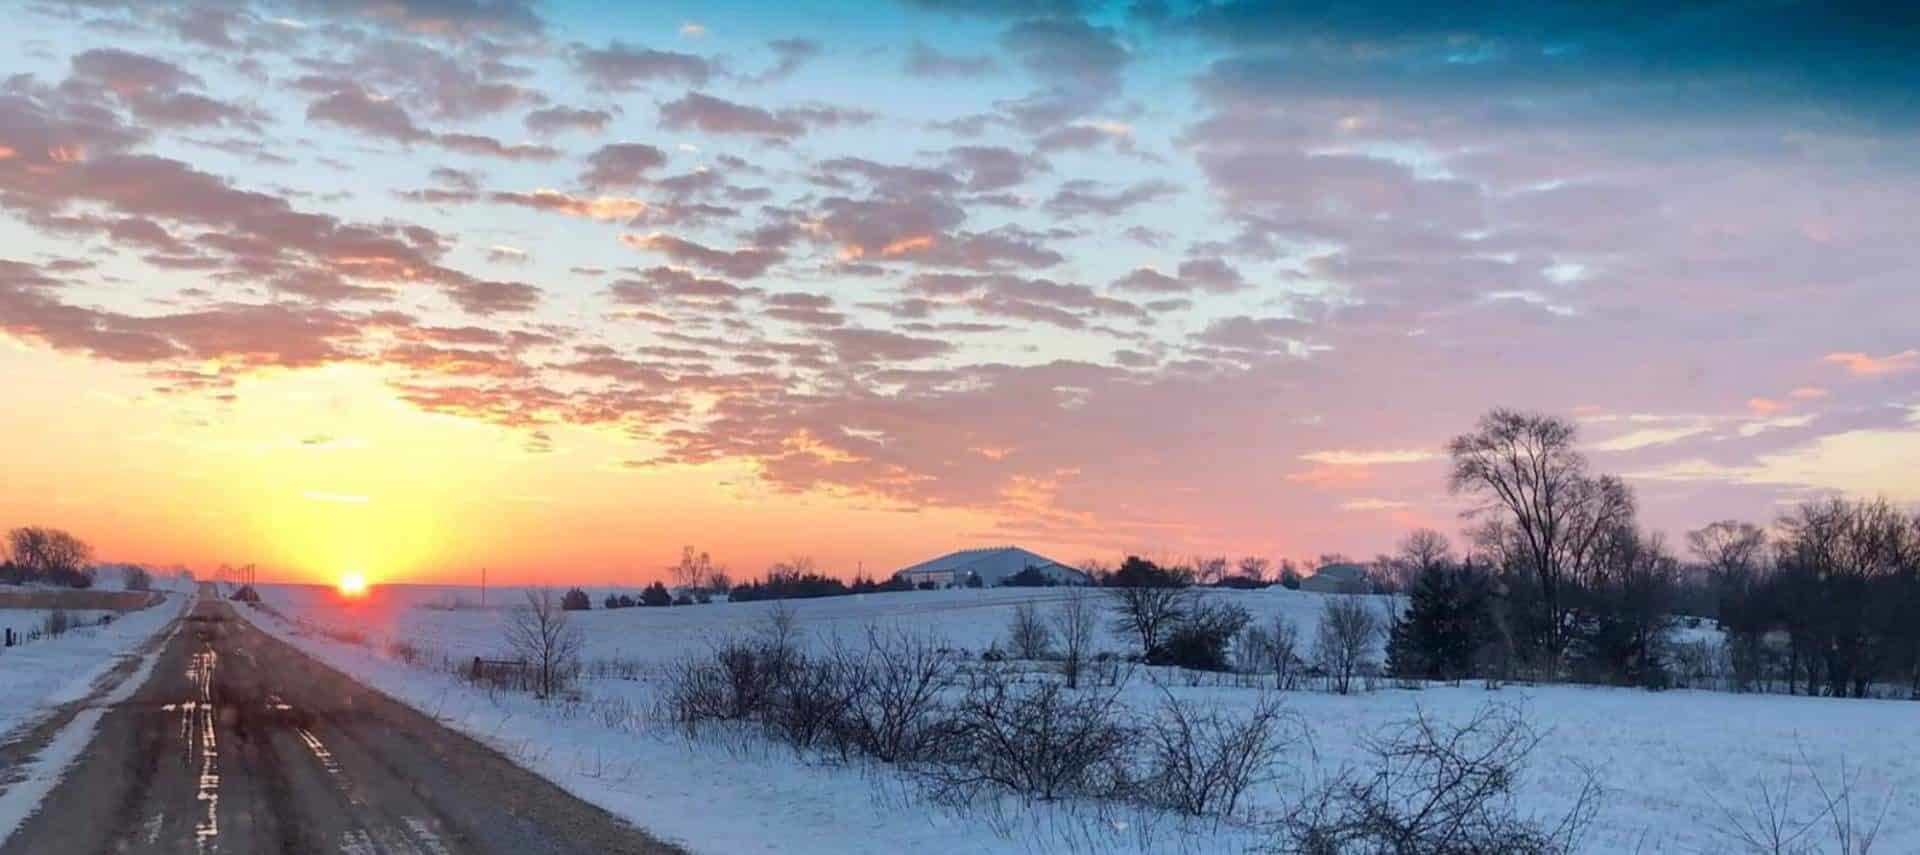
[(1674, 763), (38, 677), (967, 619), (23, 621)]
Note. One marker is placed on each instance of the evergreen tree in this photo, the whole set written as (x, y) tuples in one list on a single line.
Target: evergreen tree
[(1445, 621), (656, 595)]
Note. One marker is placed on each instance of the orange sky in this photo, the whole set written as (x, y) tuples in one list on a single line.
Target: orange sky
[(315, 473)]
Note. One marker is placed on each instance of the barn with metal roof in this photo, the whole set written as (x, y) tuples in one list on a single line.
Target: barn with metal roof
[(993, 565)]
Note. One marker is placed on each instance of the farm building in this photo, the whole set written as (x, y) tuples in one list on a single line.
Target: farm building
[(993, 565), (1338, 579)]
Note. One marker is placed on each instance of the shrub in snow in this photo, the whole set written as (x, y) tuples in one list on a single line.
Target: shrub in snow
[(1038, 740), (1201, 638), (893, 720), (811, 703), (1273, 648), (1203, 762), (1073, 623), (575, 600), (1027, 635), (1435, 788)]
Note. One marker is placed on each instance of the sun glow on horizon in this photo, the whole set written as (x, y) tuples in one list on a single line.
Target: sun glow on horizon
[(353, 584)]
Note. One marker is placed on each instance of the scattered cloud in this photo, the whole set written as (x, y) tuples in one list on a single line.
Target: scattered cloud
[(1343, 457), (1866, 365)]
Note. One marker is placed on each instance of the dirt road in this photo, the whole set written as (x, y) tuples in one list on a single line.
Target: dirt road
[(241, 744)]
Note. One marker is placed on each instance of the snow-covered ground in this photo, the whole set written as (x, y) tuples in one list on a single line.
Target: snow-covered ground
[(40, 676), (1674, 763), (24, 621), (967, 619)]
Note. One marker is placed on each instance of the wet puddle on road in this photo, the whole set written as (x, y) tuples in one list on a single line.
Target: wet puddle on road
[(199, 718), (197, 724)]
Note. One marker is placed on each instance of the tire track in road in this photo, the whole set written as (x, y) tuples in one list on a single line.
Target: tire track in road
[(62, 739), (242, 744)]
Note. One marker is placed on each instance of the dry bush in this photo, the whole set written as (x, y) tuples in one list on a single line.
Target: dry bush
[(1040, 741), (812, 703), (1436, 789), (1202, 638), (1074, 623), (405, 652), (894, 719), (1203, 762), (616, 668), (737, 681), (1777, 821), (1273, 648), (1029, 637)]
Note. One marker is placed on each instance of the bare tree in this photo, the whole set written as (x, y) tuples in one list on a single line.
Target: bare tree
[(1148, 612), (1095, 569), (1348, 626), (1526, 466), (539, 632), (694, 569), (1028, 636), (1073, 623), (1425, 548), (1729, 546), (1210, 570), (1255, 568), (50, 554), (1274, 648)]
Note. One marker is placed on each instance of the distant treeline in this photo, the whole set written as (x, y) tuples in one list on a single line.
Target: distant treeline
[(34, 554)]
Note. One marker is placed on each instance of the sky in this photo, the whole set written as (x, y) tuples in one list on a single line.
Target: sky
[(414, 287)]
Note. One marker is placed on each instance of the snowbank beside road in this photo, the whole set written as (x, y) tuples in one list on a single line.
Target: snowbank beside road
[(41, 676)]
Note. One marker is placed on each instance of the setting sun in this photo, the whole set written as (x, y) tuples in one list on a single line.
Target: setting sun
[(353, 584)]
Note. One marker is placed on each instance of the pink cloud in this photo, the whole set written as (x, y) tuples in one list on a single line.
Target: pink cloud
[(1865, 365)]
